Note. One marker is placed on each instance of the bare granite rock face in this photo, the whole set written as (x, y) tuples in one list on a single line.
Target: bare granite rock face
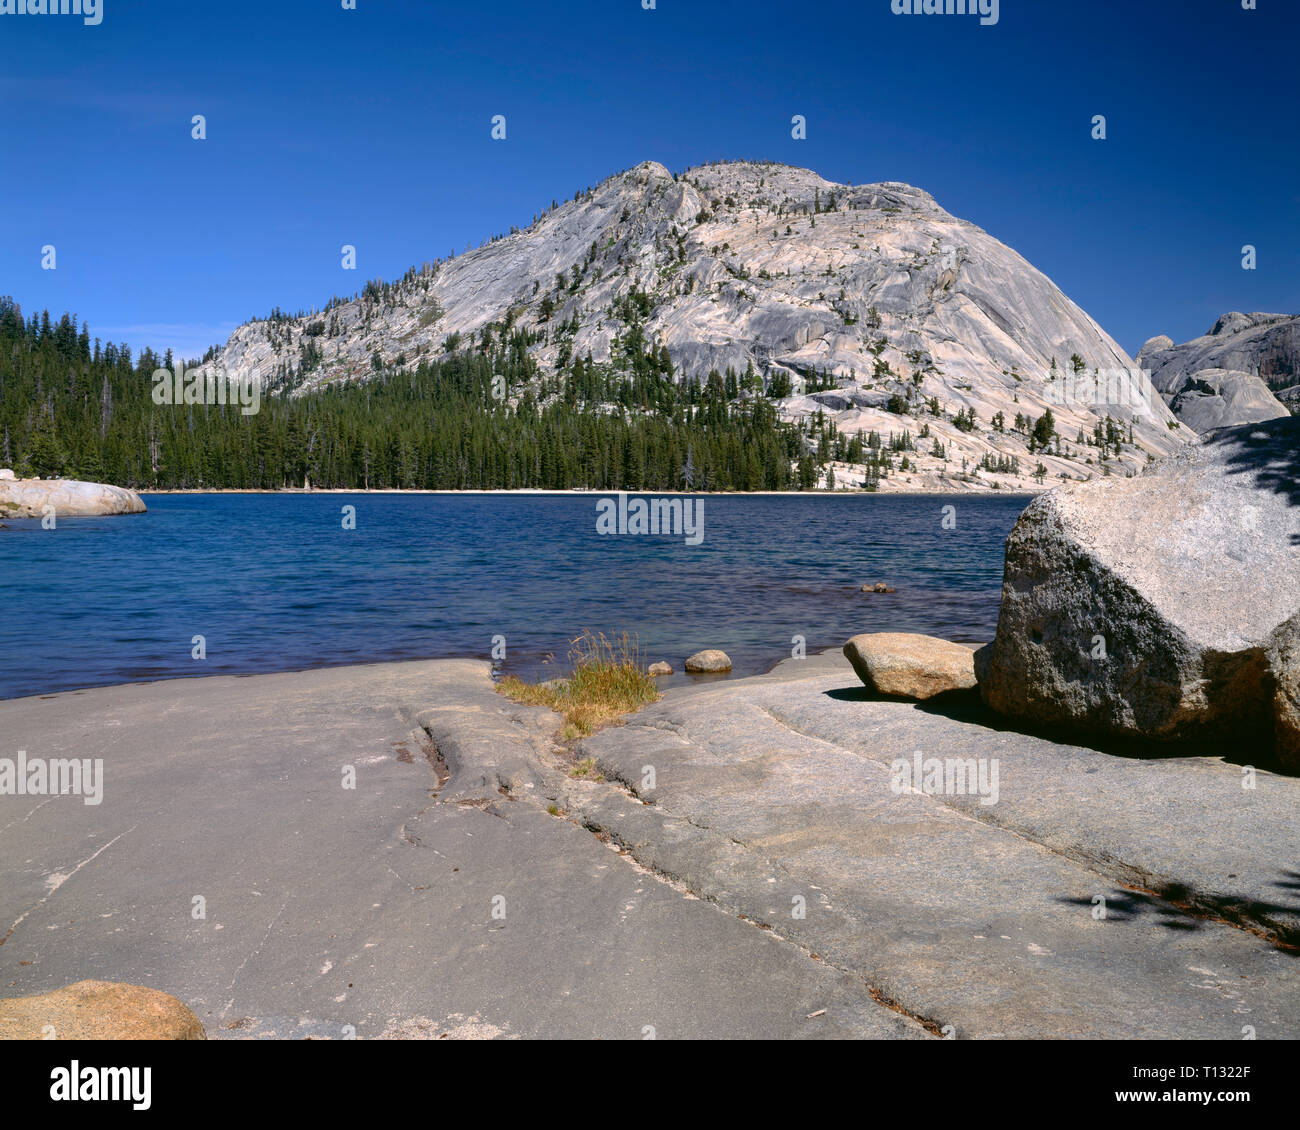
[(788, 784), (1165, 606), (1223, 398), (904, 665), (1265, 347), (99, 1010), (29, 498), (778, 274)]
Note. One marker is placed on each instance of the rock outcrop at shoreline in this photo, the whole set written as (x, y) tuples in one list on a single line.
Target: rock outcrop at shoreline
[(1166, 606), (30, 498)]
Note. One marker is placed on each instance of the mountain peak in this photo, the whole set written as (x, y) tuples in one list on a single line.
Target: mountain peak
[(869, 300)]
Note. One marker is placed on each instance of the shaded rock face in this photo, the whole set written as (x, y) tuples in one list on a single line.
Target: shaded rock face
[(875, 286), (99, 1010), (1284, 665), (28, 498), (904, 665), (1163, 606), (1265, 346), (1222, 398)]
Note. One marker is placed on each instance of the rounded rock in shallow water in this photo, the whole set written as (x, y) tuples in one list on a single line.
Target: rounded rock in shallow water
[(709, 662), (660, 668)]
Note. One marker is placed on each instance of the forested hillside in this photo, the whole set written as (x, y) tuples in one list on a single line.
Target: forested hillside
[(70, 406)]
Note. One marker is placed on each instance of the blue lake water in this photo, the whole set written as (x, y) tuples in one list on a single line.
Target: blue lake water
[(274, 582)]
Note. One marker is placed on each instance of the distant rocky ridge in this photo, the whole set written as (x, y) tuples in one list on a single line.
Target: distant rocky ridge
[(880, 309), (1245, 370)]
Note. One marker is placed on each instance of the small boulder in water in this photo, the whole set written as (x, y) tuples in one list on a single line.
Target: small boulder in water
[(661, 668), (709, 662)]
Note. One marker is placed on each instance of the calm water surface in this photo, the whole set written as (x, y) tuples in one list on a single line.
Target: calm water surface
[(273, 582)]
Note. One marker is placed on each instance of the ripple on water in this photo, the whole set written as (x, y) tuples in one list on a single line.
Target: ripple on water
[(273, 582)]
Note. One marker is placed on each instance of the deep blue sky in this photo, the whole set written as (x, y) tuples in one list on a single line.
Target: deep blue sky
[(371, 127)]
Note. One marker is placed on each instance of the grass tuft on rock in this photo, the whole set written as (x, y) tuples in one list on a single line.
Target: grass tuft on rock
[(608, 680)]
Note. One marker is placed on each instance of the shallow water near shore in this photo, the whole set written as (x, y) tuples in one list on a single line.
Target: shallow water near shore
[(274, 582)]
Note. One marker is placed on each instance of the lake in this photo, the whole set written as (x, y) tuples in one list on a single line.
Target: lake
[(275, 582)]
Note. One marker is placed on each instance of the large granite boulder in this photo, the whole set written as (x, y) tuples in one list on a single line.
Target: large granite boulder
[(1166, 606), (99, 1010), (904, 665), (28, 498)]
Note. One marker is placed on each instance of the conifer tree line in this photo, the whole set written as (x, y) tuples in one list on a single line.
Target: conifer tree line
[(75, 408)]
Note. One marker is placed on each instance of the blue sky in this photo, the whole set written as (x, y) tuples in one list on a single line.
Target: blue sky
[(372, 127)]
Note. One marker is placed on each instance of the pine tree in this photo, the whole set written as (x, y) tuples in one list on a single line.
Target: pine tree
[(45, 456), (1044, 429)]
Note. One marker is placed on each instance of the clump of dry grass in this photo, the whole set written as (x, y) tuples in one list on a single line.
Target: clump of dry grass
[(608, 680)]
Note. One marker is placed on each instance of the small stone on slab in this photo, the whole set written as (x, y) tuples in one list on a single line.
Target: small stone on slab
[(905, 665)]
